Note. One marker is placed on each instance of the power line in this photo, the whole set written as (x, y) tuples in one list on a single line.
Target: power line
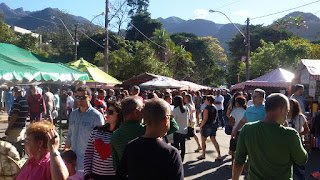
[(286, 10), (91, 39), (117, 10), (146, 36), (226, 5)]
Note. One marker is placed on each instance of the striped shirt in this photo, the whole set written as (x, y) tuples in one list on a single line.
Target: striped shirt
[(20, 106), (98, 159)]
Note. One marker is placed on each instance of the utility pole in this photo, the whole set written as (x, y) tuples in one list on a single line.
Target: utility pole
[(247, 49), (75, 43), (106, 42)]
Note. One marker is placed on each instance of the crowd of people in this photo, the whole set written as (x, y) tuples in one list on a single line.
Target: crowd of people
[(143, 135)]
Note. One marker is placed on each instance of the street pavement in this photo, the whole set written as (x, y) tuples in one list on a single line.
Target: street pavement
[(209, 169)]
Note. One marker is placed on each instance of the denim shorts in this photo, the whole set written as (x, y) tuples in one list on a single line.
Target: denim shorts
[(209, 130)]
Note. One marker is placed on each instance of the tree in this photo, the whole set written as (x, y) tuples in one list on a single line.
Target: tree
[(237, 48), (138, 6), (206, 70), (27, 42), (6, 34), (144, 24), (182, 63), (217, 50), (126, 62), (298, 22), (164, 46), (285, 54)]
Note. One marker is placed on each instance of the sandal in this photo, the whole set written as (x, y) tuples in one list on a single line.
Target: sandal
[(197, 150), (219, 159), (200, 157)]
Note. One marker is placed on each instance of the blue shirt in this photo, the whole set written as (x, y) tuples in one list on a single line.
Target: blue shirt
[(255, 113), (80, 128), (301, 103)]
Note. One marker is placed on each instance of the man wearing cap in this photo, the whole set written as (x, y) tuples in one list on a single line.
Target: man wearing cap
[(17, 117)]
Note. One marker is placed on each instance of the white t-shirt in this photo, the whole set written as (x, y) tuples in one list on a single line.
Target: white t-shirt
[(77, 176), (193, 115), (219, 99), (71, 101), (181, 119), (237, 113), (298, 122)]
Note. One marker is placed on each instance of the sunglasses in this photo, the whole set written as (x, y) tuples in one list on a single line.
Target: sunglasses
[(170, 116), (110, 112), (81, 97)]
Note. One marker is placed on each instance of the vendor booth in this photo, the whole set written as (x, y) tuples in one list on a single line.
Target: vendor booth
[(278, 80)]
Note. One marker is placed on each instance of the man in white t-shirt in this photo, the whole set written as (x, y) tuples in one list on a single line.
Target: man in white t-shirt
[(219, 104)]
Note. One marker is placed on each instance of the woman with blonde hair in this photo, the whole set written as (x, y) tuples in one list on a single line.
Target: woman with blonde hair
[(45, 162)]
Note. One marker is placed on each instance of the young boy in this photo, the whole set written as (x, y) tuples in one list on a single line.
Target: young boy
[(70, 159)]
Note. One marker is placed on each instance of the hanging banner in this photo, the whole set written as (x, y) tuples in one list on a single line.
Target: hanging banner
[(305, 76), (312, 88)]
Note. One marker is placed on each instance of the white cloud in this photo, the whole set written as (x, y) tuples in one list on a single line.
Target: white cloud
[(243, 13), (200, 14)]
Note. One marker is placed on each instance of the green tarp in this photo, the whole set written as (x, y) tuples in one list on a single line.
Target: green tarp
[(19, 65), (95, 74)]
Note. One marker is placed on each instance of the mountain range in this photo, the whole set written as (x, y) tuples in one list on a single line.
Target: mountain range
[(200, 27)]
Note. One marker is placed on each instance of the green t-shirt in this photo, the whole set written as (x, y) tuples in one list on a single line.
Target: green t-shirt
[(272, 148), (128, 131)]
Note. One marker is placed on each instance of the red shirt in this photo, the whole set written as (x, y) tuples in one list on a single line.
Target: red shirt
[(100, 104), (35, 102)]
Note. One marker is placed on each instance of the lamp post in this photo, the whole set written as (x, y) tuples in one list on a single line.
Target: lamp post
[(101, 14), (246, 40)]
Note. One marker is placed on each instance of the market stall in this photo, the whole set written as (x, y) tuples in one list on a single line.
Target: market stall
[(278, 80)]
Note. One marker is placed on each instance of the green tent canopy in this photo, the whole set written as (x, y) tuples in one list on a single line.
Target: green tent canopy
[(95, 74), (19, 65)]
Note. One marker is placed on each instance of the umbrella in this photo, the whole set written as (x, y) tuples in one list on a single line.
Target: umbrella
[(163, 82)]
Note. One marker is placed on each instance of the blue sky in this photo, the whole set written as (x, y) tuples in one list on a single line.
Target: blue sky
[(236, 10)]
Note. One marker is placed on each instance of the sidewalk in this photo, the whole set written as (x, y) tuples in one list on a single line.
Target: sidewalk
[(209, 169)]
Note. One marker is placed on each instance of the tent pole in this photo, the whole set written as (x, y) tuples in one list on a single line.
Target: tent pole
[(60, 113)]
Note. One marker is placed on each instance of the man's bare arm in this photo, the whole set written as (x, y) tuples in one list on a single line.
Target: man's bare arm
[(236, 171)]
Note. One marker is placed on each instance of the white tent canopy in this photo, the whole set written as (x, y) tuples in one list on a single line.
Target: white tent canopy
[(162, 82)]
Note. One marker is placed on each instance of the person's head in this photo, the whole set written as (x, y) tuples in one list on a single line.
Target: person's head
[(295, 108), (135, 90), (209, 100), (46, 89), (57, 91), (188, 99), (235, 95), (70, 93), (101, 93), (36, 140), (240, 101), (184, 93), (121, 96), (218, 92), (157, 115), (298, 89), (225, 92), (198, 93), (114, 114), (126, 93), (277, 105), (258, 96), (178, 102), (83, 96), (16, 92), (132, 107), (168, 98), (152, 95), (33, 89), (70, 159), (111, 92)]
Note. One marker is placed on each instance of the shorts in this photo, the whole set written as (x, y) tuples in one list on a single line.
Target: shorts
[(233, 143), (209, 130)]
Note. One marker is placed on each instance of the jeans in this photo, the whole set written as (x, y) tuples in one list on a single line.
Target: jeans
[(298, 173), (180, 139), (220, 118)]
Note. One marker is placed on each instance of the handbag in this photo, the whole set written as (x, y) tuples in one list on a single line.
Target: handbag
[(190, 129)]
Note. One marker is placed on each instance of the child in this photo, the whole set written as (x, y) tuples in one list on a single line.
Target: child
[(70, 159)]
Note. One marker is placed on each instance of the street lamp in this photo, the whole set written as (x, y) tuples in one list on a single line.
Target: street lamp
[(101, 14), (246, 40)]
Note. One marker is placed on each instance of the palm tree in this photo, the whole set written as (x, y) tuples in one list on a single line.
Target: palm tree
[(163, 44), (182, 63), (298, 22)]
